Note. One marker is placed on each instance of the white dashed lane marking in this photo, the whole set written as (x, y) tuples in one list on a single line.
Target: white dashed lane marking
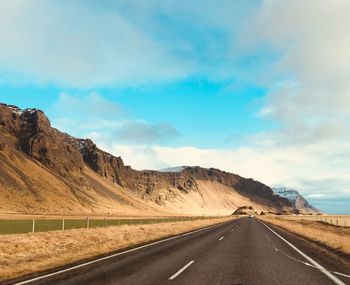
[(181, 270)]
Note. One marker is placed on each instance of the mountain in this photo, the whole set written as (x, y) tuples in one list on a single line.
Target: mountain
[(297, 200), (43, 170), (173, 169)]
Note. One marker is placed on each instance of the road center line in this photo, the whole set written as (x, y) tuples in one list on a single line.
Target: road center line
[(317, 265), (181, 270), (221, 238), (274, 247), (267, 238)]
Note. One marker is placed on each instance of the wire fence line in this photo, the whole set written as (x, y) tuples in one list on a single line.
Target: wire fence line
[(335, 220), (43, 225)]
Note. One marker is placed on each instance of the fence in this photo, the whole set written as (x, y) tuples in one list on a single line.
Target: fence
[(43, 225), (336, 220)]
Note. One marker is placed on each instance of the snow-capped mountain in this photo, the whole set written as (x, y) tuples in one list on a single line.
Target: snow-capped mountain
[(297, 200), (173, 169)]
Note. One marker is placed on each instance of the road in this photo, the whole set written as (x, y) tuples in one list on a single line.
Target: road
[(242, 251)]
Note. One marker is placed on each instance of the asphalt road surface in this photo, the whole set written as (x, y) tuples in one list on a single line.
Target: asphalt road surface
[(242, 251)]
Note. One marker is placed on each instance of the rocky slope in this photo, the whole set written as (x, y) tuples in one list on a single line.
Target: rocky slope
[(297, 200), (45, 170)]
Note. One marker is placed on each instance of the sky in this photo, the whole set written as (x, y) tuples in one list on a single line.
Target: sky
[(257, 88)]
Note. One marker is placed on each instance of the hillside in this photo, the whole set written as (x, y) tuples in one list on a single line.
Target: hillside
[(297, 200), (43, 170)]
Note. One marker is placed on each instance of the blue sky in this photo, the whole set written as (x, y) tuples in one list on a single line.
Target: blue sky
[(251, 87)]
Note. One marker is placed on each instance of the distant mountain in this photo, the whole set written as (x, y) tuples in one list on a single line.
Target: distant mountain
[(297, 200), (43, 170), (173, 169)]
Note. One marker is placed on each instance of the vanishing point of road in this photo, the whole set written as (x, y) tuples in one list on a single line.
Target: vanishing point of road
[(243, 251)]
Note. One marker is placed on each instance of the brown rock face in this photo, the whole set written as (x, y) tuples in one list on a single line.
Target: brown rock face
[(9, 119), (148, 184), (240, 184), (186, 181), (105, 164), (47, 145), (244, 210), (30, 132)]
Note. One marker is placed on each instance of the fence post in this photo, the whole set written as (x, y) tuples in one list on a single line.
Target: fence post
[(104, 222), (62, 224), (87, 222), (33, 226)]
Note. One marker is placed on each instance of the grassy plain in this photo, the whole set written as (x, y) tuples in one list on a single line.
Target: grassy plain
[(337, 220), (15, 226), (335, 237), (21, 254)]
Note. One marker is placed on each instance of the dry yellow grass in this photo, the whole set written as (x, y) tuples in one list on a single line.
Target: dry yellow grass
[(337, 220), (26, 253), (337, 238)]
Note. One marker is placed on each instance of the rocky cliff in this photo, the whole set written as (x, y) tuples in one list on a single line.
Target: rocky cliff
[(84, 168), (297, 200)]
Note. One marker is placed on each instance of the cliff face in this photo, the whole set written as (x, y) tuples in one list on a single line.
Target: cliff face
[(43, 170), (31, 133), (297, 200), (28, 134), (242, 185), (106, 165), (52, 148)]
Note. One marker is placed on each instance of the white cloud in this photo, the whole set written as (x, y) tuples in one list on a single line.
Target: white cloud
[(311, 169), (308, 77), (86, 113), (141, 132), (308, 85), (139, 157), (72, 44), (309, 82), (92, 105), (93, 116), (318, 171), (265, 112), (99, 43)]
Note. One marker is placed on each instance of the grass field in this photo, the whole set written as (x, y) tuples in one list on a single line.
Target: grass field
[(335, 220), (21, 254), (335, 237), (8, 226)]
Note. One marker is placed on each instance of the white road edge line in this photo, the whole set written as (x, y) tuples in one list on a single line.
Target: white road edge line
[(221, 238), (181, 270), (341, 274), (317, 265), (111, 256)]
